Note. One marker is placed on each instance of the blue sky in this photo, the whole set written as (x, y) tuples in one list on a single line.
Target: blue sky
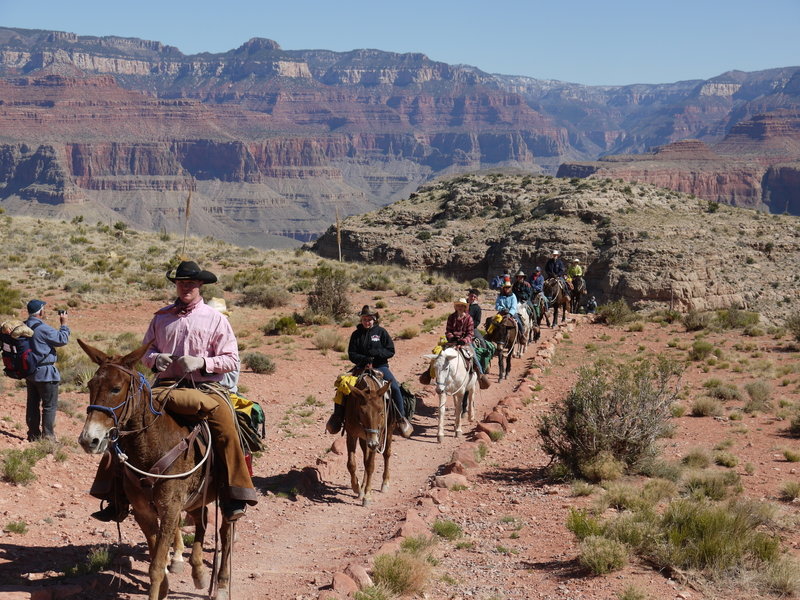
[(615, 42)]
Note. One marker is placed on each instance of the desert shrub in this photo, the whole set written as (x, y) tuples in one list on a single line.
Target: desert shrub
[(479, 283), (268, 296), (329, 340), (722, 390), (403, 573), (759, 392), (791, 455), (618, 409), (603, 467), (714, 485), (705, 407), (790, 491), (793, 325), (408, 333), (636, 326), (582, 488), (794, 425), (582, 524), (601, 555), (439, 293), (632, 593), (615, 313), (701, 349), (726, 459), (735, 318), (403, 289), (715, 538), (677, 410), (695, 320), (637, 530), (10, 299), (247, 278), (280, 326), (329, 295), (417, 544), (376, 282), (258, 363), (19, 527), (782, 577), (697, 459), (449, 530), (374, 592)]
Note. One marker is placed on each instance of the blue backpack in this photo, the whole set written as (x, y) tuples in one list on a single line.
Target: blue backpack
[(496, 283), (19, 361)]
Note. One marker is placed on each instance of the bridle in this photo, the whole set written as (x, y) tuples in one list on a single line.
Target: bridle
[(445, 372), (385, 414), (128, 405)]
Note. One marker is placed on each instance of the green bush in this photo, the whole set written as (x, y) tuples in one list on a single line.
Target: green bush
[(329, 295), (701, 349), (247, 278), (479, 283), (376, 282), (618, 409), (449, 530), (705, 407), (697, 459), (615, 313), (258, 363), (582, 524), (760, 393), (714, 485), (281, 326)]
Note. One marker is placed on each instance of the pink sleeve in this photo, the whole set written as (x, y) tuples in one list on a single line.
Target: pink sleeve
[(224, 352)]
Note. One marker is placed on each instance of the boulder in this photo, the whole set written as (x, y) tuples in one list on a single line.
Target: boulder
[(450, 480), (358, 574), (498, 418), (344, 584)]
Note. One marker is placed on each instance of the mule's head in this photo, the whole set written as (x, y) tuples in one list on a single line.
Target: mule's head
[(109, 393), (442, 364), (371, 409)]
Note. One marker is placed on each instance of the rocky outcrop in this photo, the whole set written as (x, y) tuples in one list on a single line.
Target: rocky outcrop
[(640, 243)]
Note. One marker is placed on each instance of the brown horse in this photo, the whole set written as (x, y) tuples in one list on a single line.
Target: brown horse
[(557, 297), (369, 420), (122, 418), (504, 336)]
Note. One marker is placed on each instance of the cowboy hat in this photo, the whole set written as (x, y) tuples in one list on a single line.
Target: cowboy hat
[(367, 311), (520, 273), (189, 271), (220, 305), (507, 284), (461, 301), (577, 260), (473, 291), (556, 252)]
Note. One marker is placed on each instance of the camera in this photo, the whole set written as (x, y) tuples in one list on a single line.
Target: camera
[(62, 312)]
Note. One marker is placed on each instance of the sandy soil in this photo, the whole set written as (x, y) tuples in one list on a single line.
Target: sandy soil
[(290, 546)]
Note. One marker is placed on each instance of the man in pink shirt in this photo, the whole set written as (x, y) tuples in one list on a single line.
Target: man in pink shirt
[(192, 346)]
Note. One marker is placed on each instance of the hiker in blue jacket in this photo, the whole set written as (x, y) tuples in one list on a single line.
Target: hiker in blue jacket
[(43, 383)]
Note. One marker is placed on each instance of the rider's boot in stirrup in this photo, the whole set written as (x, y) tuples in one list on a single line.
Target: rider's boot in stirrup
[(336, 420)]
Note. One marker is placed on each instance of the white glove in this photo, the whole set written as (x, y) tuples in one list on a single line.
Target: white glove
[(162, 362), (187, 364)]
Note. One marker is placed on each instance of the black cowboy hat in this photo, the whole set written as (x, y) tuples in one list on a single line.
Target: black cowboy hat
[(473, 291), (366, 310), (189, 271)]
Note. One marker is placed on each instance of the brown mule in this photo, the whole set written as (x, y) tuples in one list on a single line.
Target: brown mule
[(121, 417)]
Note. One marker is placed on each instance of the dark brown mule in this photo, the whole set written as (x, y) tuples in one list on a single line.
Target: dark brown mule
[(578, 290), (369, 420), (557, 297), (503, 335), (122, 418)]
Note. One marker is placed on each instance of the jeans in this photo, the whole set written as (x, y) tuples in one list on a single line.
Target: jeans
[(41, 423), (397, 395)]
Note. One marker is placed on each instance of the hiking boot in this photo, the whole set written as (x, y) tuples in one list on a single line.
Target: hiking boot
[(483, 382), (425, 377), (112, 512), (406, 429), (336, 420), (233, 509)]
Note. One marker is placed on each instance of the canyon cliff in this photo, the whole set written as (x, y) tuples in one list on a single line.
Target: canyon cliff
[(273, 143)]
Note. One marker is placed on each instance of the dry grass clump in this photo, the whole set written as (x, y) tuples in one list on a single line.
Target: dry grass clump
[(401, 573), (722, 390), (329, 294), (790, 491), (705, 407), (697, 458), (408, 333), (448, 530), (760, 394), (615, 313), (258, 363), (714, 485), (601, 555), (326, 339)]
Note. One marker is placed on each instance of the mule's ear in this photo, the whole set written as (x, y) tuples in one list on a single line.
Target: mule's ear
[(97, 356), (131, 359), (384, 388), (357, 393)]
